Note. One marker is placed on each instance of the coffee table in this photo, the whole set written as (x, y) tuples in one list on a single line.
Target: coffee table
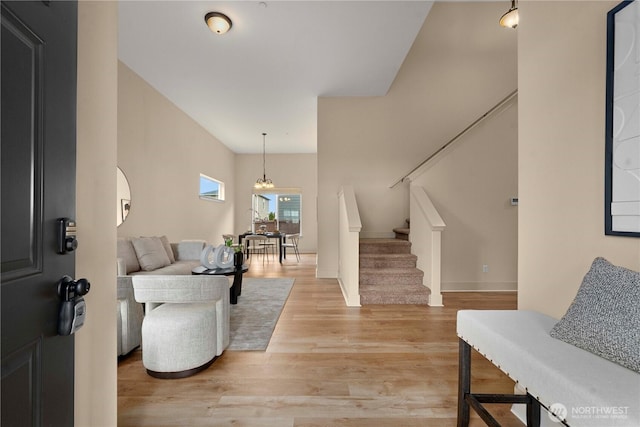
[(236, 288)]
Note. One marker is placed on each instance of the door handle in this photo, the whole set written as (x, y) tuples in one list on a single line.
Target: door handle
[(73, 309)]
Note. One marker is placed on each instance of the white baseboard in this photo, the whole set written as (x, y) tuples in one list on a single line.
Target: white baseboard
[(351, 302), (326, 273), (479, 286)]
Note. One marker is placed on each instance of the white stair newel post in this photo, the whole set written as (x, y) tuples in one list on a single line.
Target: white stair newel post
[(435, 299), (349, 241), (426, 244)]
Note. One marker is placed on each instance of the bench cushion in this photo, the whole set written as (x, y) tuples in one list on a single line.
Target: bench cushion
[(552, 371)]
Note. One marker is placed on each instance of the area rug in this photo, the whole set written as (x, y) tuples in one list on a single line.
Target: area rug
[(254, 317)]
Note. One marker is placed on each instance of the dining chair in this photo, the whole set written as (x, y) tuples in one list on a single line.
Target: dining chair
[(254, 245), (291, 241), (269, 247)]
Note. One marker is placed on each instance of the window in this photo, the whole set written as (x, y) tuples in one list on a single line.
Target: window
[(289, 207), (211, 189), (277, 211), (262, 206)]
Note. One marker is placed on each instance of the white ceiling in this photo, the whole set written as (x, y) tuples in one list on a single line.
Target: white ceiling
[(266, 73)]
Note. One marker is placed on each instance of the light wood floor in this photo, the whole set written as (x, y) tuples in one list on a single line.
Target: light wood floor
[(327, 365)]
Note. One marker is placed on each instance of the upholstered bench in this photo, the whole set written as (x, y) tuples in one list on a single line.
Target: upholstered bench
[(186, 322), (551, 371), (598, 386)]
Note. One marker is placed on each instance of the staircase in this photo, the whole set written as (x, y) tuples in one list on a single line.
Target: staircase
[(403, 232), (388, 273)]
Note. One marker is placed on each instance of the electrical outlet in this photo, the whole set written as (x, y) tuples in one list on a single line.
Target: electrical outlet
[(485, 268)]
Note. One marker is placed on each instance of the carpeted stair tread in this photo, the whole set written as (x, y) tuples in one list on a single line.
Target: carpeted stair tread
[(390, 276), (384, 246), (394, 287), (388, 260), (383, 241), (417, 294), (392, 271), (402, 233), (401, 230), (393, 256), (422, 299)]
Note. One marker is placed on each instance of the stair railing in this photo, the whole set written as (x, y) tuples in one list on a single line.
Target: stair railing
[(426, 240), (349, 246), (491, 111)]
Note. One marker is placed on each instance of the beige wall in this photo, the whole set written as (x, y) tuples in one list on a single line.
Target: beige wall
[(286, 171), (471, 187), (162, 152), (561, 73), (460, 65), (95, 354)]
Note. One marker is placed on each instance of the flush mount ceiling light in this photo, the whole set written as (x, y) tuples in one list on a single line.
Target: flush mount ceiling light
[(264, 182), (218, 22), (511, 18)]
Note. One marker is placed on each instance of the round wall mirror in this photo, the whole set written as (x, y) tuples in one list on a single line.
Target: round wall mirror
[(124, 197)]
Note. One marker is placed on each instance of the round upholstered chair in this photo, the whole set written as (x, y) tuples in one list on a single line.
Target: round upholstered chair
[(186, 323), (179, 340)]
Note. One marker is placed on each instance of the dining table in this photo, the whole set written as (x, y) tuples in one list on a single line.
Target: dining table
[(282, 251)]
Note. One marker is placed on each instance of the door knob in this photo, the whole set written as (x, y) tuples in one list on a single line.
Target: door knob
[(73, 309), (68, 289)]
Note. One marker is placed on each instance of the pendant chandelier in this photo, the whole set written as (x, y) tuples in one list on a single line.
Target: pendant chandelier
[(264, 182)]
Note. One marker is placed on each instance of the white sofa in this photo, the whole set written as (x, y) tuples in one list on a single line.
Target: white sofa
[(142, 256), (136, 256)]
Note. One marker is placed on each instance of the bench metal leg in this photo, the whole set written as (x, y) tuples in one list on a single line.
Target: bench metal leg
[(464, 382), (467, 400), (533, 412)]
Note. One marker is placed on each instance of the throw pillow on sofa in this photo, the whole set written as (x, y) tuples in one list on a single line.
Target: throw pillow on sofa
[(167, 248), (128, 254), (150, 252)]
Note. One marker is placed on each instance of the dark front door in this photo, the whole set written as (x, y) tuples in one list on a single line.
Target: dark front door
[(38, 79)]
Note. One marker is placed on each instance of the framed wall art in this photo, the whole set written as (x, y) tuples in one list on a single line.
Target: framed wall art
[(622, 156), (125, 207)]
